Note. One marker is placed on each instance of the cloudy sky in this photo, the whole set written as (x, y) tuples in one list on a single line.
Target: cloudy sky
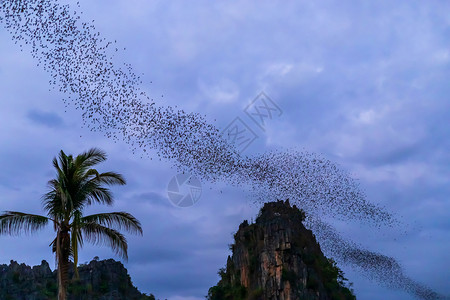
[(363, 83)]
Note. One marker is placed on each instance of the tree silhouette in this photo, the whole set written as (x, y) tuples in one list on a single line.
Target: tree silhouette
[(77, 185)]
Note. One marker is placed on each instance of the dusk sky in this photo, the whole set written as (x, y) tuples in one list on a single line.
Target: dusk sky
[(365, 84)]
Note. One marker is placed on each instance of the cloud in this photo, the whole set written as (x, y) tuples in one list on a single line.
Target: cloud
[(225, 91), (49, 119)]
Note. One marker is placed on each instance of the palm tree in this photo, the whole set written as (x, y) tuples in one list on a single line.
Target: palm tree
[(76, 186)]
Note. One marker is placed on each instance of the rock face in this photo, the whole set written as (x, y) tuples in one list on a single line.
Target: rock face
[(19, 281), (277, 258), (105, 280)]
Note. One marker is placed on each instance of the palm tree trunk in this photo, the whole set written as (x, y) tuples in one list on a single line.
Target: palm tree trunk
[(62, 254)]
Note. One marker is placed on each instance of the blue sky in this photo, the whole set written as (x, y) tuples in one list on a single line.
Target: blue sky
[(364, 84)]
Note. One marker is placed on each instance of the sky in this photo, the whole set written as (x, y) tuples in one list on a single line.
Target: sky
[(365, 84)]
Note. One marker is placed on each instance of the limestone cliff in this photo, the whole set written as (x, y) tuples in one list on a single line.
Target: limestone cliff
[(277, 258), (99, 280)]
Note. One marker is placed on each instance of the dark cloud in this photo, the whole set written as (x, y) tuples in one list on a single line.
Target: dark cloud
[(49, 119)]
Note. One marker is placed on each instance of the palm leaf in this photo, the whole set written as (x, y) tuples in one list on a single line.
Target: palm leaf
[(90, 158), (111, 178), (98, 194), (13, 222), (101, 235), (117, 220)]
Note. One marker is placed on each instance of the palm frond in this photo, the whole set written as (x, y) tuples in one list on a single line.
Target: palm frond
[(13, 222), (53, 245), (117, 220), (100, 195), (90, 158), (56, 164), (91, 172), (101, 235), (63, 162), (53, 203), (93, 191), (111, 178)]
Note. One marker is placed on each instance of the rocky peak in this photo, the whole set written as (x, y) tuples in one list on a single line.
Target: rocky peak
[(278, 258), (99, 280)]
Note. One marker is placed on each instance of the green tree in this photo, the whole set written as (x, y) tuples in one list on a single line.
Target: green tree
[(77, 185)]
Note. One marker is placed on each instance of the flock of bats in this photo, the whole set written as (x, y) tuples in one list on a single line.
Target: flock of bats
[(80, 63)]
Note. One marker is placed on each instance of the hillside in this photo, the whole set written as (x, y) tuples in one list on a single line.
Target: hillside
[(99, 280), (278, 258)]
